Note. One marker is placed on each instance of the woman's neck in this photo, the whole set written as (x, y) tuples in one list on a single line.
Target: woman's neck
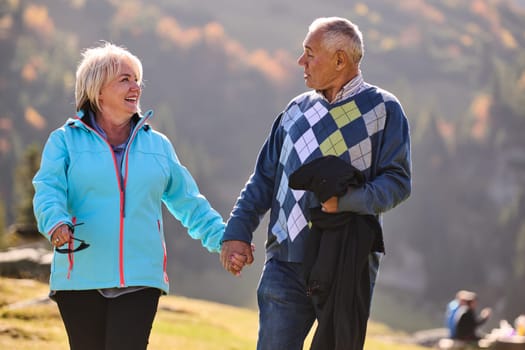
[(116, 132)]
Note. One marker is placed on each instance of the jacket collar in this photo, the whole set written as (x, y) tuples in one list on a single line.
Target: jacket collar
[(81, 120)]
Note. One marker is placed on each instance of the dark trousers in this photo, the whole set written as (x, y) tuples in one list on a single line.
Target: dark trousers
[(94, 322)]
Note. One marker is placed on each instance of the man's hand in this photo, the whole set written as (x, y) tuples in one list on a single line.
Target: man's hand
[(485, 313), (331, 205), (235, 255)]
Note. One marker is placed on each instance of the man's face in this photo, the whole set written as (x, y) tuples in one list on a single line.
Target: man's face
[(318, 63)]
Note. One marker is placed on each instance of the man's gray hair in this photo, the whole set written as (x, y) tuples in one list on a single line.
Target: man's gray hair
[(340, 34)]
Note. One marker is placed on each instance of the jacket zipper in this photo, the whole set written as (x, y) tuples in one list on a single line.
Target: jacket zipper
[(122, 190), (122, 180)]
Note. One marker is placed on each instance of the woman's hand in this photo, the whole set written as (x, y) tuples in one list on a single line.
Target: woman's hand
[(61, 235)]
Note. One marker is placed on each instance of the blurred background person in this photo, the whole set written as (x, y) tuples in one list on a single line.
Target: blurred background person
[(450, 313), (467, 321)]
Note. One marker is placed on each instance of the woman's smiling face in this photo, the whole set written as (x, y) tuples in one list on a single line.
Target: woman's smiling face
[(119, 97)]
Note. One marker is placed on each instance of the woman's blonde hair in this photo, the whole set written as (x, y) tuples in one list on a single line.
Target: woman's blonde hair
[(98, 66)]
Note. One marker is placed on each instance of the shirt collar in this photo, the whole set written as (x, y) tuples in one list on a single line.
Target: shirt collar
[(353, 87)]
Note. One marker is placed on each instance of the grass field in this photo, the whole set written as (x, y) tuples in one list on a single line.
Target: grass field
[(28, 321)]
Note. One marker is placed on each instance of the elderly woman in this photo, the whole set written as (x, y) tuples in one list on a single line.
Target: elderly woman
[(99, 192)]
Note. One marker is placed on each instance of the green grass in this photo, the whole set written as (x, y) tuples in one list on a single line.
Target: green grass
[(181, 323)]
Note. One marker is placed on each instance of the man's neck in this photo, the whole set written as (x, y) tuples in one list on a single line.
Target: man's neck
[(350, 87)]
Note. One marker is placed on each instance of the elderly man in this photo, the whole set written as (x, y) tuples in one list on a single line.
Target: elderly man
[(341, 116)]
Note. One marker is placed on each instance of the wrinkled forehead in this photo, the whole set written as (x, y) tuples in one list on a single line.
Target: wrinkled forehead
[(313, 40)]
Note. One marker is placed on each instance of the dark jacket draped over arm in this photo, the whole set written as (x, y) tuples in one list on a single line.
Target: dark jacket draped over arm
[(336, 256)]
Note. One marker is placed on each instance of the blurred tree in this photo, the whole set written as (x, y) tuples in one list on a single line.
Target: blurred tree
[(2, 223), (507, 138), (25, 223)]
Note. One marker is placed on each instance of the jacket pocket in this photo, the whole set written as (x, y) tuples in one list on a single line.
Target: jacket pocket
[(164, 251)]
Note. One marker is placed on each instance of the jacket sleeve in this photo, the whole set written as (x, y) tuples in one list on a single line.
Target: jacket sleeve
[(390, 184), (190, 207), (257, 196), (50, 183)]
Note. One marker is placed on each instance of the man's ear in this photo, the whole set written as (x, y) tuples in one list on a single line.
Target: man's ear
[(341, 59)]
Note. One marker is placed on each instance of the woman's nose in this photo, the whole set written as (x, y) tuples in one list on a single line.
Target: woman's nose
[(136, 85)]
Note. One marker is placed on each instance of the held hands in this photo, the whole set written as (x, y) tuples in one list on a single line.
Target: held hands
[(235, 255)]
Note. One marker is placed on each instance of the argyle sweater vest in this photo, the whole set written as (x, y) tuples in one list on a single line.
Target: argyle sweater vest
[(309, 128)]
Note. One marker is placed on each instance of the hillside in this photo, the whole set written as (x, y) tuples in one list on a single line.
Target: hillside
[(28, 321)]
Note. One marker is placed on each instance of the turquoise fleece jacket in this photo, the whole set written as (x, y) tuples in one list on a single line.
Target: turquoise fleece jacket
[(79, 182)]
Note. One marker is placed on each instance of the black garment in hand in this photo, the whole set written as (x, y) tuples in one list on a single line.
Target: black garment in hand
[(326, 177), (336, 256)]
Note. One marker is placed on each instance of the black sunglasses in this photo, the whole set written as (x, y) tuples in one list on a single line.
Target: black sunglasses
[(83, 245)]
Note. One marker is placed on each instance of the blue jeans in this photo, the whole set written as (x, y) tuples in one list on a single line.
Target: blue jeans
[(286, 313)]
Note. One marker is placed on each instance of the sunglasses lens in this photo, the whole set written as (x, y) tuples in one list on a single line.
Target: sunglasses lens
[(83, 245)]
